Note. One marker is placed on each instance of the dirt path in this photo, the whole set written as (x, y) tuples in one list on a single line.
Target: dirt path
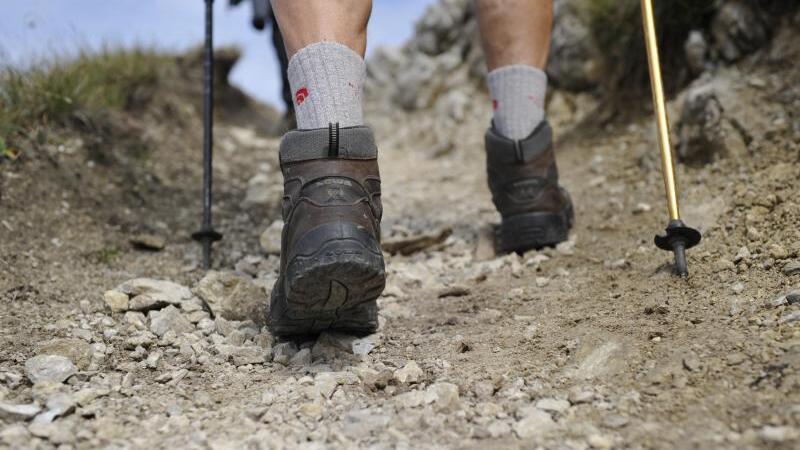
[(590, 345)]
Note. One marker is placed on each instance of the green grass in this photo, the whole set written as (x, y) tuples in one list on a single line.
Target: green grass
[(616, 26), (50, 93)]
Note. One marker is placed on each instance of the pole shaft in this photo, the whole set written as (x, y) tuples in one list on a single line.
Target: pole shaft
[(208, 112), (662, 119)]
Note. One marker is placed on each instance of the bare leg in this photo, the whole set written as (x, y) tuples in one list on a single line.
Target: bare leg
[(305, 22), (521, 163), (515, 31)]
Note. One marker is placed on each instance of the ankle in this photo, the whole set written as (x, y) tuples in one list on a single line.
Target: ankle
[(518, 94)]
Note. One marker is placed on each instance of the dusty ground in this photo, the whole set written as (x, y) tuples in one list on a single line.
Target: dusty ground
[(590, 345)]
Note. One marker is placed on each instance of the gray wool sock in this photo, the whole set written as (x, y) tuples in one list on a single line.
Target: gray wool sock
[(327, 81), (518, 99)]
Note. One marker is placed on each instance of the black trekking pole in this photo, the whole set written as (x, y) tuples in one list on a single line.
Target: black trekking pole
[(207, 235)]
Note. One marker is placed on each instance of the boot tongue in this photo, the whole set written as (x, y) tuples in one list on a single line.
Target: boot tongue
[(332, 142)]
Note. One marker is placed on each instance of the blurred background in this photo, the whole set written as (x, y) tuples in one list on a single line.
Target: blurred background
[(35, 30)]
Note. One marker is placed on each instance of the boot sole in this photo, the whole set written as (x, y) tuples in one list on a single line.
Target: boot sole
[(333, 287), (533, 231)]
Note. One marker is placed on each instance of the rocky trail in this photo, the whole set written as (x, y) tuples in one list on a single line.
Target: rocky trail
[(112, 337)]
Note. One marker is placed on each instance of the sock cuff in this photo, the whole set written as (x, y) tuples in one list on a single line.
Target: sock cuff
[(517, 71), (329, 47), (327, 81)]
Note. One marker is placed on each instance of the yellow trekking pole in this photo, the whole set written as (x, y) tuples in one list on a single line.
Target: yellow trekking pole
[(678, 236)]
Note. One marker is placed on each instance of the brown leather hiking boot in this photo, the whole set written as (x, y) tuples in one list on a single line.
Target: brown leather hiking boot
[(523, 179), (331, 262)]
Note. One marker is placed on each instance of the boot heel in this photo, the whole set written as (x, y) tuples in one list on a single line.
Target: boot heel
[(532, 231)]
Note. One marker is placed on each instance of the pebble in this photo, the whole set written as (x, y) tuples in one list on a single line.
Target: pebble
[(641, 208), (410, 399), (156, 292), (724, 264), (58, 405), (56, 433), (734, 359), (11, 412), (360, 424), (552, 405), (54, 368), (542, 282), (454, 291), (444, 396), (792, 268), (580, 396), (242, 355), (116, 300), (742, 255), (283, 352), (778, 434), (616, 421), (777, 251), (535, 423), (789, 318), (302, 358), (148, 241), (169, 319), (599, 441), (76, 350), (232, 296), (410, 373), (271, 238)]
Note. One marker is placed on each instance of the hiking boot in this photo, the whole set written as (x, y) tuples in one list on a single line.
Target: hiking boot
[(523, 179), (332, 267)]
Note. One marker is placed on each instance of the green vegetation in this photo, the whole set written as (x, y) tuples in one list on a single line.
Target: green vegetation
[(616, 26), (52, 93)]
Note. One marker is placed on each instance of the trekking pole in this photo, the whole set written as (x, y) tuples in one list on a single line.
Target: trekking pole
[(207, 235), (679, 237)]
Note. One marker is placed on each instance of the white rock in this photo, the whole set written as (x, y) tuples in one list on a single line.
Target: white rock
[(361, 423), (232, 296), (409, 374), (778, 434), (49, 368), (169, 319), (552, 405), (77, 350), (11, 412), (58, 405), (116, 300), (444, 396), (153, 293), (534, 424), (410, 399)]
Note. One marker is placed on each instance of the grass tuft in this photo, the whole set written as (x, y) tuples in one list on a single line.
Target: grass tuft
[(616, 26), (50, 93)]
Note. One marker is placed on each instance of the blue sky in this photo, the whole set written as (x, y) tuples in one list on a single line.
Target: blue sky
[(37, 29)]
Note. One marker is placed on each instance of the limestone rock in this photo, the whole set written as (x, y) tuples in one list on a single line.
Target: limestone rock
[(232, 296), (409, 374), (53, 368), (146, 293), (444, 396), (169, 319), (116, 300), (76, 350)]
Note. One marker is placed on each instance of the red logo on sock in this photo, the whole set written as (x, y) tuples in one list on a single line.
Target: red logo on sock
[(495, 105), (301, 96)]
